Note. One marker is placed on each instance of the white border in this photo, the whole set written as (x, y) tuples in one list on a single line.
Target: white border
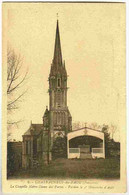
[(127, 72), (0, 95)]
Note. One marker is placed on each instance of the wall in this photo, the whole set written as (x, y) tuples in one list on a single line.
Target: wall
[(14, 157), (73, 155), (97, 155)]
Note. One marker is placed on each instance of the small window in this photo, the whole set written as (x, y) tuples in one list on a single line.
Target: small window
[(58, 82)]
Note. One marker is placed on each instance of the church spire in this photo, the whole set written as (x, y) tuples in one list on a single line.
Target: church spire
[(57, 51), (57, 66)]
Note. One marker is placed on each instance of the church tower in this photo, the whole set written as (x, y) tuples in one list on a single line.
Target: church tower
[(39, 139), (60, 118), (57, 120)]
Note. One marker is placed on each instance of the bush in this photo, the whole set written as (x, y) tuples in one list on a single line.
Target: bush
[(59, 149)]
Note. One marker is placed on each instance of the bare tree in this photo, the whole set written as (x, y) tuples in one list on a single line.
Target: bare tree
[(95, 126), (76, 125), (15, 80)]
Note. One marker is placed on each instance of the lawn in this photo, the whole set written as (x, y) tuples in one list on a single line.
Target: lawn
[(76, 168)]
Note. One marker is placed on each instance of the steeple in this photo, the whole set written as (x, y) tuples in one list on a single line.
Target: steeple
[(57, 59), (57, 66)]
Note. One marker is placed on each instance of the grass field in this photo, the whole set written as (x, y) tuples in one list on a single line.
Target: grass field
[(76, 168)]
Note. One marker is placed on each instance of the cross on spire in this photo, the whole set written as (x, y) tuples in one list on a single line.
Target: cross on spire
[(57, 15)]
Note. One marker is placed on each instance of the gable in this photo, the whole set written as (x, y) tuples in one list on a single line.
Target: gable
[(37, 128)]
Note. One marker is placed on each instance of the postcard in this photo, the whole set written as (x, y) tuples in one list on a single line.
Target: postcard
[(64, 97)]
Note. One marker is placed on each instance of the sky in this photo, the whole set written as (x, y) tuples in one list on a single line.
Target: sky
[(93, 47)]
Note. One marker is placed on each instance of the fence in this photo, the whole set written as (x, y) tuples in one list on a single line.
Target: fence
[(97, 150), (97, 153), (74, 150), (74, 153)]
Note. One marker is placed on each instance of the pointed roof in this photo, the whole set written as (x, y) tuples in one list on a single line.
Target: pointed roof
[(58, 66), (57, 59), (37, 128), (46, 112)]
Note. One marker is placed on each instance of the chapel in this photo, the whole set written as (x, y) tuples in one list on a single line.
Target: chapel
[(39, 140), (57, 120)]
